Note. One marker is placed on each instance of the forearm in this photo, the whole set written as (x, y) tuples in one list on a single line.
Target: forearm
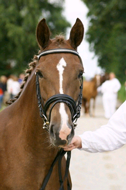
[(101, 140), (109, 137)]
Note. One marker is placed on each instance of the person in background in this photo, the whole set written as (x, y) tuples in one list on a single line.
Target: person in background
[(109, 89), (9, 86), (15, 86), (108, 137), (3, 88), (21, 78)]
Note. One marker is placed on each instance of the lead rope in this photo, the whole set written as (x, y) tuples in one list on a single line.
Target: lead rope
[(59, 157)]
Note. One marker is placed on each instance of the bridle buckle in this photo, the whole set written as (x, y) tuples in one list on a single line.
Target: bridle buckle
[(46, 125)]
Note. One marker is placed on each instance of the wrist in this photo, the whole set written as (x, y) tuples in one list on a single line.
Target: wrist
[(79, 142)]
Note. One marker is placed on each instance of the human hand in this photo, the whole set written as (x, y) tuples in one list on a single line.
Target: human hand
[(75, 143)]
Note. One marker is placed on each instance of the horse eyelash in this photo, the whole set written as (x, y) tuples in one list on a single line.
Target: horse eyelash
[(80, 74), (40, 74)]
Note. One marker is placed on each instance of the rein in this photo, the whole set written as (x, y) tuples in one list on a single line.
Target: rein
[(74, 107), (58, 158)]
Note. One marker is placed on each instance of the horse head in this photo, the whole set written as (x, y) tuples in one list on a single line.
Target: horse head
[(59, 78)]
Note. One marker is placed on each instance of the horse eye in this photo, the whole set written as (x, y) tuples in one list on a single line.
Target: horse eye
[(80, 74), (40, 74)]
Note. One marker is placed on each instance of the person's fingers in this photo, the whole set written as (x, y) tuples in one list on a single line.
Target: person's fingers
[(69, 148), (75, 143)]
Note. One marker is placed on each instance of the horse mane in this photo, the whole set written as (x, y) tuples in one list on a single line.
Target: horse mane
[(58, 40)]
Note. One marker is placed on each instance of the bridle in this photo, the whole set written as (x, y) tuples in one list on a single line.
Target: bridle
[(75, 107)]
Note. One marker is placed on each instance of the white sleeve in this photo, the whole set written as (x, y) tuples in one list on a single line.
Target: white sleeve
[(99, 89), (104, 87), (117, 86), (108, 137)]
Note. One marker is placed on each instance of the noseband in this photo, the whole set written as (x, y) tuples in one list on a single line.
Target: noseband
[(74, 107)]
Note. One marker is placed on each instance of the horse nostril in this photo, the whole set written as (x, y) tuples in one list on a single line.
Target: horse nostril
[(52, 130), (70, 136)]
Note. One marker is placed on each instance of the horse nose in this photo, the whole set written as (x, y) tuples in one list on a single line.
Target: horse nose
[(65, 131), (60, 137)]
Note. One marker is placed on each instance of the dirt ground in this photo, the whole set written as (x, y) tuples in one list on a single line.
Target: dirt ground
[(97, 171)]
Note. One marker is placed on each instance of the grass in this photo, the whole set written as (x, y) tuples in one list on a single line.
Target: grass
[(3, 107)]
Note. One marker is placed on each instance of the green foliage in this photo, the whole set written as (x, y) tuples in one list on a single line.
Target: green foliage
[(107, 34), (122, 93), (18, 21)]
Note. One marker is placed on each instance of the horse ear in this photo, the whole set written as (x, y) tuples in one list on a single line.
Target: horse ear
[(76, 34), (43, 34)]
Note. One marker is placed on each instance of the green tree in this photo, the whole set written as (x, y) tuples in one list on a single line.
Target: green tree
[(18, 21), (107, 34)]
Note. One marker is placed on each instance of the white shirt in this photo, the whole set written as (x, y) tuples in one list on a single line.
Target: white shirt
[(15, 87), (110, 88), (9, 85), (108, 137)]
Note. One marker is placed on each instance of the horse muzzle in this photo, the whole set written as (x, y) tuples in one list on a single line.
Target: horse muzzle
[(60, 136)]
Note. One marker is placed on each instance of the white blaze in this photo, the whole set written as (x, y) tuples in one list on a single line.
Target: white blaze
[(60, 68), (64, 117)]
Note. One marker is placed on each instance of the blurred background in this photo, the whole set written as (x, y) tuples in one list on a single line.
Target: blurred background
[(103, 49)]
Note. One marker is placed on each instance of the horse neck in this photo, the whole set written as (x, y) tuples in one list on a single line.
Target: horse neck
[(28, 117), (94, 82)]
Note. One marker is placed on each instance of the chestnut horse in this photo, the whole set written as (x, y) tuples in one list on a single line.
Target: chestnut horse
[(53, 81), (90, 92)]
